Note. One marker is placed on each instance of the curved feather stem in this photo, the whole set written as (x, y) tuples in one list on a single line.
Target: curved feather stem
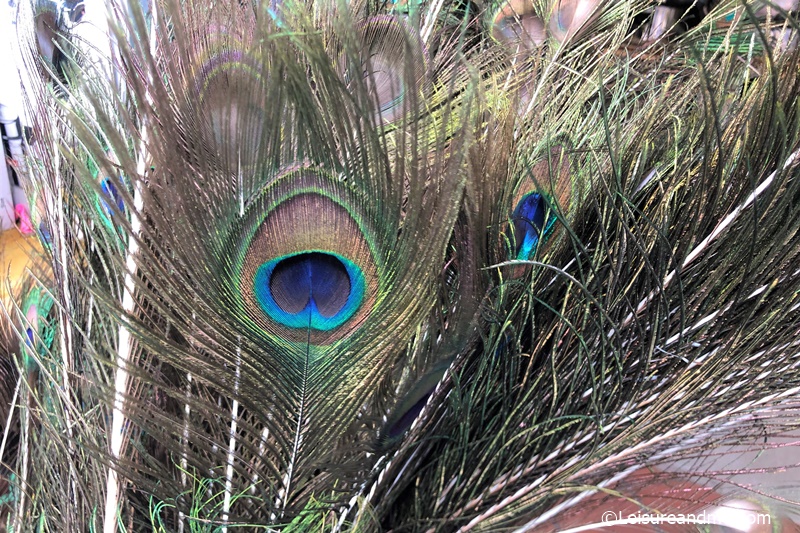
[(65, 338), (187, 410), (124, 349), (226, 503), (301, 413), (24, 447), (10, 415), (430, 20), (125, 341)]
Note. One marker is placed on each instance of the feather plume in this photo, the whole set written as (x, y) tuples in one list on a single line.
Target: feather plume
[(415, 266)]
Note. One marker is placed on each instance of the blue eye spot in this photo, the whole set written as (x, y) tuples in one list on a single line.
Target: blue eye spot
[(310, 289), (530, 223)]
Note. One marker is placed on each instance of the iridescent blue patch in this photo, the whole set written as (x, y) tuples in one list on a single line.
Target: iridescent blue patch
[(110, 192), (44, 235), (531, 222), (317, 290)]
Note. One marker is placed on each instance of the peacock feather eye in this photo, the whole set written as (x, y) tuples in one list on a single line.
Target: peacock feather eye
[(229, 87), (531, 222), (544, 192), (388, 83), (316, 290), (308, 269), (517, 23), (391, 62), (224, 66), (573, 18)]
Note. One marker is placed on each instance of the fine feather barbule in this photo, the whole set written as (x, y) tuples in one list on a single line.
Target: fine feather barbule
[(398, 268)]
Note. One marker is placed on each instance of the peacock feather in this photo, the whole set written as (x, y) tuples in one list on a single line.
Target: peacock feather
[(410, 266)]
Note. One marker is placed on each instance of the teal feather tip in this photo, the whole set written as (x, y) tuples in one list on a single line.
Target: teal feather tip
[(320, 290)]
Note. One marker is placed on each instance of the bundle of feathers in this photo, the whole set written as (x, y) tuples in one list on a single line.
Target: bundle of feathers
[(414, 266)]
